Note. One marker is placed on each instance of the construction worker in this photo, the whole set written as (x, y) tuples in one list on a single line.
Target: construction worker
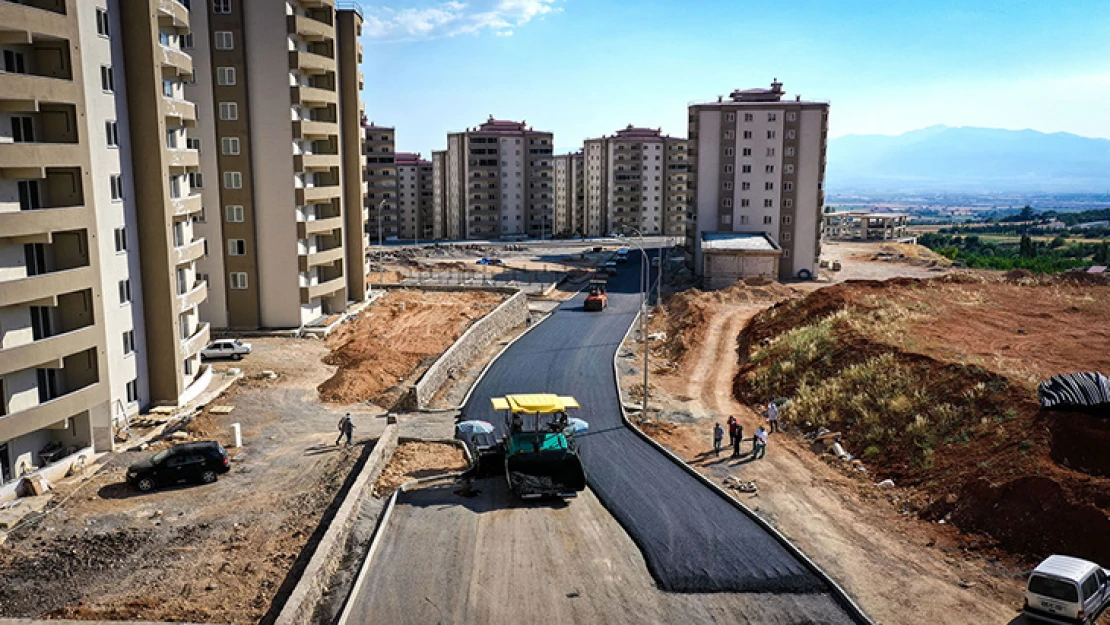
[(773, 417), (731, 431), (718, 435), (759, 443), (739, 438), (346, 428)]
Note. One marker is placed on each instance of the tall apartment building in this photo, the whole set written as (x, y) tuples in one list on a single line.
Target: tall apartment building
[(415, 198), (570, 195), (636, 178), (758, 167), (449, 222), (283, 122), (500, 181), (380, 147), (98, 292)]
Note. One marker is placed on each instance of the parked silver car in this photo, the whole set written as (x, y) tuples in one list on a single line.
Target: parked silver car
[(1067, 590), (226, 348)]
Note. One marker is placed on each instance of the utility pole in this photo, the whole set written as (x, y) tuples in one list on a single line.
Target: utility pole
[(645, 284), (381, 248)]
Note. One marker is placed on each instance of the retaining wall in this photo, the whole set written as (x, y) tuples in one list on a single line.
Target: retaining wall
[(511, 313), (330, 551)]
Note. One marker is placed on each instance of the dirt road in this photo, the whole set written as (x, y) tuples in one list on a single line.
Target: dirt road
[(501, 562), (861, 540)]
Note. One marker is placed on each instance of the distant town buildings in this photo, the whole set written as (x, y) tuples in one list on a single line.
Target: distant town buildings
[(758, 167), (864, 225)]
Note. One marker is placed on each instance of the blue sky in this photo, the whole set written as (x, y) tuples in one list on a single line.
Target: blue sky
[(583, 68)]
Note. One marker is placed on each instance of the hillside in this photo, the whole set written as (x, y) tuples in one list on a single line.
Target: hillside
[(943, 158)]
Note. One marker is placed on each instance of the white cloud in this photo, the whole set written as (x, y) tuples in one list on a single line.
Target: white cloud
[(448, 19)]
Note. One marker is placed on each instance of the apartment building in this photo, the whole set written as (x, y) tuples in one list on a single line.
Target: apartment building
[(500, 181), (448, 223), (98, 292), (757, 166), (636, 179), (380, 147), (569, 195), (282, 101), (415, 198)]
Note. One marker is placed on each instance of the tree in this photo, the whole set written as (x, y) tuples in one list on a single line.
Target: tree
[(1059, 241), (1026, 213), (1026, 248), (1102, 253)]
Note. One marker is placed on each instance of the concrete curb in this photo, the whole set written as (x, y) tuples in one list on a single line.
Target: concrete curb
[(329, 552), (383, 520), (839, 594)]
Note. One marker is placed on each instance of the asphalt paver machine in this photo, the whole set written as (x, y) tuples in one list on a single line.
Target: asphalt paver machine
[(541, 452)]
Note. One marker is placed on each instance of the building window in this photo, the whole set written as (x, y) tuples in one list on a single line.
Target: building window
[(788, 203), (107, 80), (787, 220), (748, 117), (730, 117), (729, 135), (787, 169), (769, 169), (128, 342), (225, 76), (743, 220), (747, 151), (124, 292), (728, 169), (790, 134), (167, 88), (238, 280), (746, 169), (770, 151), (771, 117), (196, 180), (727, 202), (785, 237), (789, 186), (234, 213), (745, 202), (727, 186), (229, 146), (115, 181), (132, 391), (187, 42), (103, 28), (121, 239), (786, 253), (221, 6), (728, 152), (29, 195), (766, 220), (771, 134), (15, 62), (792, 116), (236, 247), (23, 129), (192, 144), (768, 203), (745, 186), (224, 40), (790, 151), (233, 180), (111, 131), (229, 111)]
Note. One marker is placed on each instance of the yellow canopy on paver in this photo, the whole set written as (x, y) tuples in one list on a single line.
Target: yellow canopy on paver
[(542, 403)]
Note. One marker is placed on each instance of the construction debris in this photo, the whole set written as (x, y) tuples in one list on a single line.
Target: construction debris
[(221, 409), (736, 483)]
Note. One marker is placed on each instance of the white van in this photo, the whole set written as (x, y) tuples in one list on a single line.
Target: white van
[(1068, 590)]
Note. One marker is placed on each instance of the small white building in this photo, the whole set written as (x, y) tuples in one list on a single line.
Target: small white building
[(731, 256)]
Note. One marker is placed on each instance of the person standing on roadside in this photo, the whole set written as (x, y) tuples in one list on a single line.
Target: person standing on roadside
[(759, 443), (731, 431), (773, 417), (346, 428), (737, 438), (718, 435)]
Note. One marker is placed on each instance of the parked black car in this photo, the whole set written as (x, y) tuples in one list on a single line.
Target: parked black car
[(188, 462)]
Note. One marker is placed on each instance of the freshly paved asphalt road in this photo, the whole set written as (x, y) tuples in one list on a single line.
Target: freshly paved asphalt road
[(692, 539)]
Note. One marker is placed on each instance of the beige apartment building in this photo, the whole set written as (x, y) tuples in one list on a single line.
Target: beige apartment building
[(414, 198), (283, 173), (449, 223), (98, 288), (499, 181), (758, 167), (380, 147), (570, 195), (636, 179)]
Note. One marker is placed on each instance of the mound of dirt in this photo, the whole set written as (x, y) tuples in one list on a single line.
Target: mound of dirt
[(395, 339), (413, 460), (933, 383)]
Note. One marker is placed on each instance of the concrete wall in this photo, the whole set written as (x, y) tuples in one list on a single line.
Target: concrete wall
[(512, 312)]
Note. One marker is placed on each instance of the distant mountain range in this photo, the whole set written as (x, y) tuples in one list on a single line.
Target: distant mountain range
[(943, 158)]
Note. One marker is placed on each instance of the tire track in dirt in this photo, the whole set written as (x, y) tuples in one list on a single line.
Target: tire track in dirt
[(710, 383)]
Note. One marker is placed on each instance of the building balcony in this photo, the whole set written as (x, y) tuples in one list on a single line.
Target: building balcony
[(316, 195), (173, 14), (312, 96), (314, 4), (188, 205), (30, 160), (15, 225), (310, 63), (176, 63), (22, 93), (44, 289), (54, 411), (315, 259), (19, 18), (309, 29), (307, 129), (308, 162), (180, 159), (306, 229), (47, 353), (193, 297), (179, 112), (198, 340), (309, 293), (187, 253), (361, 78)]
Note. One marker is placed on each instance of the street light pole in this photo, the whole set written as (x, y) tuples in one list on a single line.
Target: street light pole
[(645, 284)]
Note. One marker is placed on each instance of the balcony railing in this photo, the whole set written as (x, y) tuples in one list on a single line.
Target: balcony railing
[(16, 224), (54, 411), (309, 293), (44, 289)]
